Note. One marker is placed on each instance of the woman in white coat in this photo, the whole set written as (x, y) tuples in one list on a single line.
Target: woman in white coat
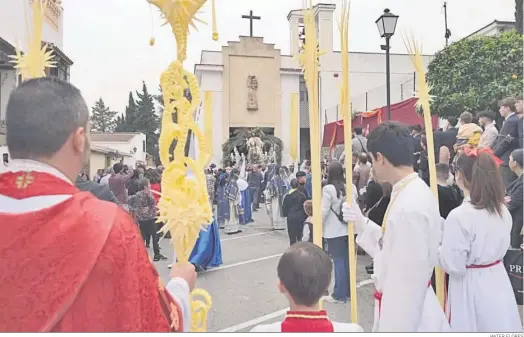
[(476, 238)]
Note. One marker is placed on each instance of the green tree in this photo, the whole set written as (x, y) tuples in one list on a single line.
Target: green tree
[(475, 73), (102, 117), (159, 98), (128, 121), (141, 116), (147, 119), (519, 16)]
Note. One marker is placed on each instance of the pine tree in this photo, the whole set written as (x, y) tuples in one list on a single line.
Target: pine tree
[(148, 120), (102, 117), (159, 98), (141, 116), (128, 122)]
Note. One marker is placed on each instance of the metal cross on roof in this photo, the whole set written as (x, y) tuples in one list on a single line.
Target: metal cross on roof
[(251, 18)]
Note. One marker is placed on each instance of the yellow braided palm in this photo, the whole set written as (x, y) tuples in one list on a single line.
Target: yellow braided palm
[(184, 205)]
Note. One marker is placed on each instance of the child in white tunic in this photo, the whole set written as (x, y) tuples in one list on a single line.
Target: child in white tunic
[(304, 273), (404, 249), (476, 238)]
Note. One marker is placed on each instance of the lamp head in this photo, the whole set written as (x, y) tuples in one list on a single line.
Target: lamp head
[(387, 23)]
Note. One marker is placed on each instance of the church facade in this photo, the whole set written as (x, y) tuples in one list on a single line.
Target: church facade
[(252, 83)]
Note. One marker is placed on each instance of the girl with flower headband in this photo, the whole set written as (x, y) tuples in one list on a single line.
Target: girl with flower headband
[(476, 238)]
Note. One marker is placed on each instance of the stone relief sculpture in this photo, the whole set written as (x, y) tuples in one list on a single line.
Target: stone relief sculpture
[(252, 86)]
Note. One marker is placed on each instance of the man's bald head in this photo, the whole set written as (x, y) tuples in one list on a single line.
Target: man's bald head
[(41, 115)]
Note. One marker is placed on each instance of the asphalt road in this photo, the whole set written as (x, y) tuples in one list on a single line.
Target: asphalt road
[(243, 289)]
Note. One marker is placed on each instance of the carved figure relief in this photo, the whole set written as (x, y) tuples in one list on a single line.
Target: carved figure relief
[(252, 86), (255, 152)]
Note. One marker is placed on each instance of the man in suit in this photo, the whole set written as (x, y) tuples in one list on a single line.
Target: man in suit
[(508, 139), (416, 131), (514, 197), (519, 107), (102, 192), (489, 136)]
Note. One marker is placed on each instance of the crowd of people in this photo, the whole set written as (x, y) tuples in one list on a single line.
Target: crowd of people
[(135, 190), (48, 284)]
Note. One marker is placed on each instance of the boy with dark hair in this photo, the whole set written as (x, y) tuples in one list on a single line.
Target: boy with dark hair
[(404, 250), (293, 210), (508, 139), (304, 273), (449, 197)]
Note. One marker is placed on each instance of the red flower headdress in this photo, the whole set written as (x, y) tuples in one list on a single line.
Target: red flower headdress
[(474, 152)]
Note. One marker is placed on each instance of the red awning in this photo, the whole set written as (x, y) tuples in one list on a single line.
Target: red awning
[(404, 112)]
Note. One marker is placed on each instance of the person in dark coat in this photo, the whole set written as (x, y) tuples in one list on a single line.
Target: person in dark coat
[(423, 164), (377, 211), (447, 138), (449, 197), (416, 132), (519, 107), (293, 210), (102, 192), (514, 197), (508, 139)]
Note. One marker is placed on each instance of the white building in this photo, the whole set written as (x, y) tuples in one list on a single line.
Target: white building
[(494, 28), (130, 148), (225, 73), (13, 32)]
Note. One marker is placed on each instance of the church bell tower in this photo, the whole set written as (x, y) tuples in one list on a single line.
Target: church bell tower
[(324, 21)]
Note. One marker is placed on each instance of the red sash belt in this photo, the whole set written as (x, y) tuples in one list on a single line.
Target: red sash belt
[(476, 266), (378, 297), (481, 266)]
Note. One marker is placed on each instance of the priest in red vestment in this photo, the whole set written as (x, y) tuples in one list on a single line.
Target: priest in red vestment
[(304, 273), (71, 262)]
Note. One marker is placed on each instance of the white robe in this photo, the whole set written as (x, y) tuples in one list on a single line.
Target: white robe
[(231, 225), (480, 299), (404, 264), (338, 327)]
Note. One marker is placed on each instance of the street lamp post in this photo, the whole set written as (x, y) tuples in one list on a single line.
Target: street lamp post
[(386, 24)]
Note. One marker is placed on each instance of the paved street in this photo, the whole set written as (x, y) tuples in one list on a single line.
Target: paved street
[(244, 290)]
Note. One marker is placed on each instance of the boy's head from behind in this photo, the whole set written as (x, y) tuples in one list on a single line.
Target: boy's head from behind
[(442, 171), (304, 273), (308, 207)]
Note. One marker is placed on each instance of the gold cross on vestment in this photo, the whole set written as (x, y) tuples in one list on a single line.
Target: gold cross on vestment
[(24, 180)]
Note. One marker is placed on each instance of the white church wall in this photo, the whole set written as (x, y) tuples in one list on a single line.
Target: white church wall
[(211, 57), (212, 81), (13, 23), (289, 62), (289, 85)]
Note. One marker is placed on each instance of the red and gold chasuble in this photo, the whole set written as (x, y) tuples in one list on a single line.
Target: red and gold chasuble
[(76, 266)]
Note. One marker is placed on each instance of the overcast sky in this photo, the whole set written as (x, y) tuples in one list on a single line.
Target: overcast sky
[(109, 39)]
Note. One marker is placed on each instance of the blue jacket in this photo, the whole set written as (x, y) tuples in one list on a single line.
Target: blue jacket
[(309, 187)]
